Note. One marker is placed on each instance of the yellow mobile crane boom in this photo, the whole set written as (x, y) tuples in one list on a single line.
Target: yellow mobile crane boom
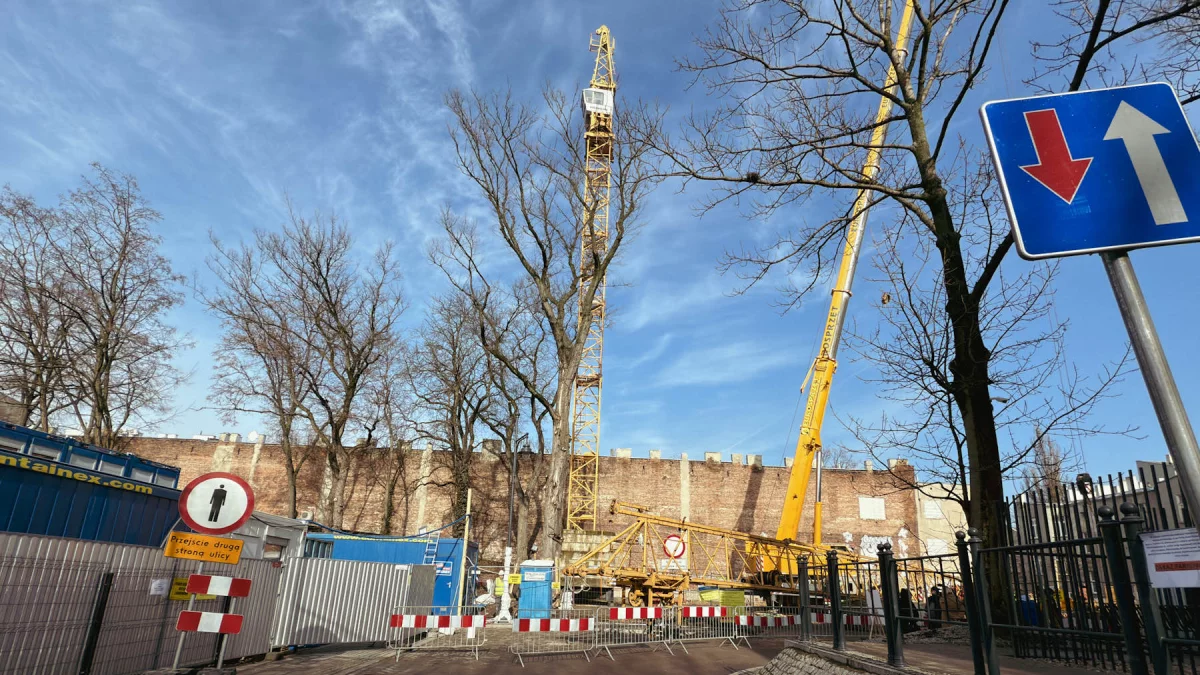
[(808, 446), (583, 483)]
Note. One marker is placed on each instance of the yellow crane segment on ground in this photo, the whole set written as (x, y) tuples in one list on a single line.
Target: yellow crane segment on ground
[(584, 481), (808, 446)]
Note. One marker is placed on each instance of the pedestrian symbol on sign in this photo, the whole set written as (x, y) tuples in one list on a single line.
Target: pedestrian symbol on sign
[(218, 498), (216, 503)]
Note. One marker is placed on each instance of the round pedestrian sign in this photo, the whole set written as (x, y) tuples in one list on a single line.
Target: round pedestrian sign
[(674, 546), (216, 503)]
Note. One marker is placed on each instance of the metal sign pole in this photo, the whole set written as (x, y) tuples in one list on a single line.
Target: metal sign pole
[(191, 601), (1168, 406), (225, 637)]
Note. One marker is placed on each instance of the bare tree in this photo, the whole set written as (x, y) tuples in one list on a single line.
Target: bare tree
[(332, 320), (259, 358), (530, 169), (118, 291), (839, 457), (449, 386), (802, 84), (395, 404), (35, 351), (911, 349), (516, 418), (1049, 466)]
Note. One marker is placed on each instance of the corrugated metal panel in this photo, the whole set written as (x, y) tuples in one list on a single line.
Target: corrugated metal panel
[(411, 551), (48, 587), (38, 503), (325, 601), (420, 587)]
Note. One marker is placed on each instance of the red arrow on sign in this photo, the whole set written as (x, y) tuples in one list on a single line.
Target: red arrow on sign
[(1056, 169)]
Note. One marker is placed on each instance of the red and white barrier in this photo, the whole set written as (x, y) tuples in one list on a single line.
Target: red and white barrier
[(704, 612), (207, 584), (209, 622), (430, 621), (625, 613), (554, 625), (767, 621)]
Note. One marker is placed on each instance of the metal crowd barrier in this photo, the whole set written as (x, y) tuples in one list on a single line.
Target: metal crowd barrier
[(554, 631), (633, 626), (767, 622), (692, 624), (419, 628)]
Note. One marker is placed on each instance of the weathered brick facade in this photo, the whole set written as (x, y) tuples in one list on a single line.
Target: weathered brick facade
[(725, 494)]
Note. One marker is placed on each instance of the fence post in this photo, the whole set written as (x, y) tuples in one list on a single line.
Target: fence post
[(983, 602), (95, 623), (833, 584), (1118, 570), (892, 624), (972, 601), (1147, 598), (805, 614)]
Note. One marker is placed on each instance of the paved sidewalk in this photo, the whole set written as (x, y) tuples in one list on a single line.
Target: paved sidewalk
[(702, 659), (955, 659)]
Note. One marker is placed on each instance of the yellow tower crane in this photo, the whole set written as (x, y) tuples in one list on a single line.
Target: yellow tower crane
[(808, 446), (598, 98)]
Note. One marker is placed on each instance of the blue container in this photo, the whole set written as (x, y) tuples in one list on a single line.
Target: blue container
[(411, 551), (536, 589), (42, 496)]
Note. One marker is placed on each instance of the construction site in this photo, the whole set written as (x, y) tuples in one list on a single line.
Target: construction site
[(436, 494)]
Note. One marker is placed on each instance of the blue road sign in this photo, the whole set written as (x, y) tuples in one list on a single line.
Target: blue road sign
[(1096, 170)]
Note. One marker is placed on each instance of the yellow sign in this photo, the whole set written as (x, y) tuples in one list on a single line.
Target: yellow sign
[(203, 548), (514, 579), (554, 585), (179, 590)]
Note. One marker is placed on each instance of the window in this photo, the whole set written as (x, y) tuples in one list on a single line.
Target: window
[(166, 479), (274, 547), (142, 475), (44, 451), (933, 511), (82, 461), (114, 467), (12, 443), (870, 508), (597, 100)]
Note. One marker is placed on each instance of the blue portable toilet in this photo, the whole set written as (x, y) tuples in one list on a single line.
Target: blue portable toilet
[(536, 590)]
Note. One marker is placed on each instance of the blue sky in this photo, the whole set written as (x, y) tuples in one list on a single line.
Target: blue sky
[(220, 108)]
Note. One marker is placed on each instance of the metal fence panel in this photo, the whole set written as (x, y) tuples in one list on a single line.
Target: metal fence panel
[(559, 631), (326, 601)]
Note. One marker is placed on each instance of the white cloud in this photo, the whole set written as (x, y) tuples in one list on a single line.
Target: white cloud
[(733, 362)]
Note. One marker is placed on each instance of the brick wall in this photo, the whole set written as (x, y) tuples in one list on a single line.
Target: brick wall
[(731, 495)]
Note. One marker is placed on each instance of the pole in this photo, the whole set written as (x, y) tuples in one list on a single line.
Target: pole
[(505, 613), (179, 643), (225, 637), (1168, 406), (1118, 570), (462, 569)]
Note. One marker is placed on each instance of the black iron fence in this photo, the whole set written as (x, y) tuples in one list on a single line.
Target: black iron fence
[(1084, 600)]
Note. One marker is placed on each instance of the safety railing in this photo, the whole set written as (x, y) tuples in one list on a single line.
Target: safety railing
[(698, 623), (554, 631), (768, 622), (633, 627), (420, 628)]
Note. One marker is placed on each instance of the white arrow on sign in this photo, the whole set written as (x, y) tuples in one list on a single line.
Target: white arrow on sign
[(1138, 131)]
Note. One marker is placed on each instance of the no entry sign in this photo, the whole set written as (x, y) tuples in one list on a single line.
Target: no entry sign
[(216, 503), (674, 546)]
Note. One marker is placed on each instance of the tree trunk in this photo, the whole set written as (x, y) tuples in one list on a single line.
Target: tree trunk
[(554, 502)]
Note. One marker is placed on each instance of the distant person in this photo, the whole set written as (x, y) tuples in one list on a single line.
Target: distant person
[(217, 501), (933, 608), (908, 612)]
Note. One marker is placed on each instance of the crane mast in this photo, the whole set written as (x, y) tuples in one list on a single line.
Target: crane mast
[(583, 484), (808, 446)]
